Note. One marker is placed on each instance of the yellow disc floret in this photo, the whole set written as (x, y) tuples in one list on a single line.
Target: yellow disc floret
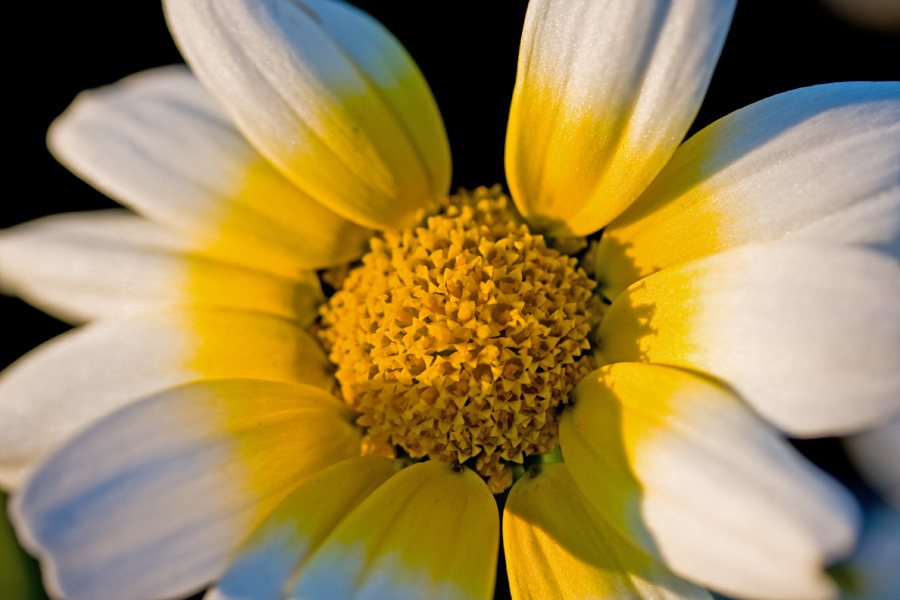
[(461, 339)]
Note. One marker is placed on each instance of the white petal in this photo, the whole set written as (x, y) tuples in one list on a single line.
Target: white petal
[(605, 92), (84, 266), (158, 142), (876, 453), (326, 94), (808, 334), (151, 501), (816, 164), (685, 470), (69, 382)]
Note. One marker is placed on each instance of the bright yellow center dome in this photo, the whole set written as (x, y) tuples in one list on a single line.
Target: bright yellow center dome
[(460, 340)]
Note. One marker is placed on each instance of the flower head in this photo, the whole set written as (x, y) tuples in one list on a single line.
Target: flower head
[(222, 421)]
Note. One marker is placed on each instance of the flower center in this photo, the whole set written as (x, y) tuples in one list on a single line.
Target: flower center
[(460, 340)]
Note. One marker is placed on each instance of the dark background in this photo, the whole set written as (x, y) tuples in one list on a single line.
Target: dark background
[(467, 51)]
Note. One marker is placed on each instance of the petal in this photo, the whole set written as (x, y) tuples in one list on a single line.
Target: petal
[(83, 266), (820, 163), (684, 469), (429, 532), (80, 376), (605, 92), (558, 546), (875, 453), (799, 330), (298, 526), (157, 142), (151, 501), (326, 94)]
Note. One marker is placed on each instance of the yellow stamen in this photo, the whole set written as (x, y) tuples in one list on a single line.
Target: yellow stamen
[(460, 339)]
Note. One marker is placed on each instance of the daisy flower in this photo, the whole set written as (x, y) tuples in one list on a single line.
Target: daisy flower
[(307, 370)]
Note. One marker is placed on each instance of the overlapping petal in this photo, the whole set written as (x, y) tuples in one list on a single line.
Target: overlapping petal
[(680, 466), (69, 382), (807, 333), (158, 143), (85, 266), (328, 95), (558, 547), (431, 531), (151, 501), (605, 92), (265, 562), (817, 164)]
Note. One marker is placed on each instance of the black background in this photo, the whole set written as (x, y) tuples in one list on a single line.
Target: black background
[(467, 51)]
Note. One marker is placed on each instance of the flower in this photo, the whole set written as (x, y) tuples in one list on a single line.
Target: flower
[(773, 230)]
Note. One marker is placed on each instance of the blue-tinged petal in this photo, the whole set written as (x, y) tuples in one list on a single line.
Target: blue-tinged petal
[(871, 573), (150, 502), (265, 561), (430, 532)]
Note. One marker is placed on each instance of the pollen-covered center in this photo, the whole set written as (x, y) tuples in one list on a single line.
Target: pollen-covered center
[(461, 339)]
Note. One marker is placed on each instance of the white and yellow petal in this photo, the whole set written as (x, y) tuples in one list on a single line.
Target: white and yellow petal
[(818, 164), (69, 382), (158, 143), (328, 95), (84, 266), (430, 532), (266, 561), (680, 466), (806, 333), (558, 547), (151, 501), (605, 92)]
